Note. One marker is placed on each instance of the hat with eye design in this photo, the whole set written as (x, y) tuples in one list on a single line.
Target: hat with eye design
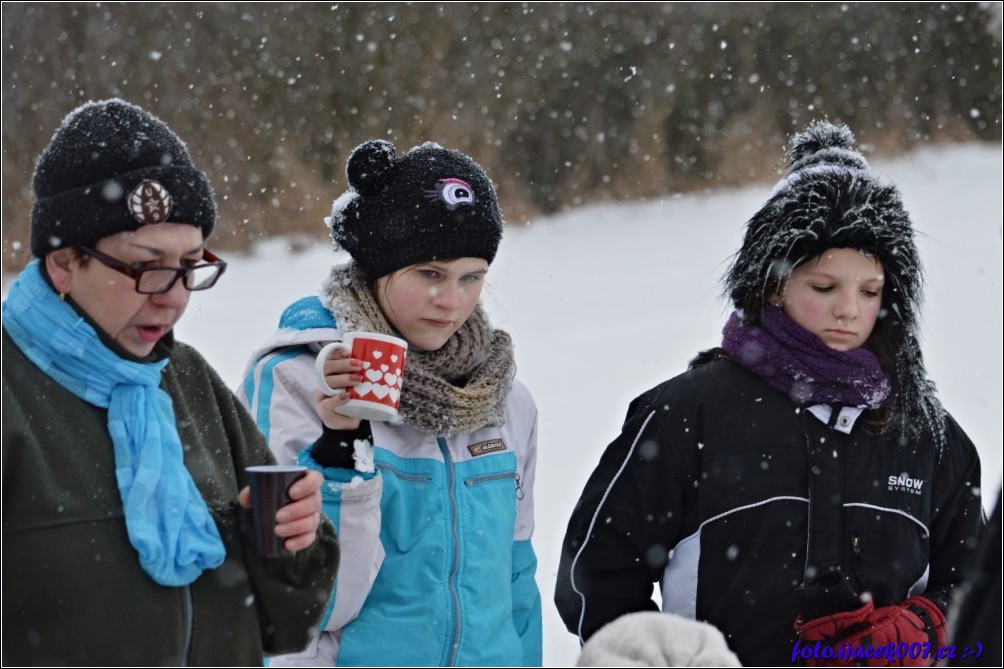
[(431, 203)]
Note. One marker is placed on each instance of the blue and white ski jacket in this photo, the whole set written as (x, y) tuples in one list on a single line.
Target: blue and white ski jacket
[(437, 566)]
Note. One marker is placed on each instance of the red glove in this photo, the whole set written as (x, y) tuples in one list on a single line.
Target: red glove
[(905, 635)]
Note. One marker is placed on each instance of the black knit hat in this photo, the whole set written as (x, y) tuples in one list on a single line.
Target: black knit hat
[(431, 203), (112, 167), (830, 199)]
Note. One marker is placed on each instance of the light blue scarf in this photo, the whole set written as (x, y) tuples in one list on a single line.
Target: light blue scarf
[(167, 520)]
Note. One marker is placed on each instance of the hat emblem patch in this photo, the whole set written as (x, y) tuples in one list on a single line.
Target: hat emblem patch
[(454, 192), (149, 202)]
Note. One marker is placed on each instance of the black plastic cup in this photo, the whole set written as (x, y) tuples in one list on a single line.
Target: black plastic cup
[(269, 493)]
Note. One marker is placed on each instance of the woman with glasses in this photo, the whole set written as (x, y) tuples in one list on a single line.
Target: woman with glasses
[(125, 530)]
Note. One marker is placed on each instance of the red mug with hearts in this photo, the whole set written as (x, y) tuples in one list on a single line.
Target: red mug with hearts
[(378, 396)]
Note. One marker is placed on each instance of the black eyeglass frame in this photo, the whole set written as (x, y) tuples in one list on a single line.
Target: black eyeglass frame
[(136, 273)]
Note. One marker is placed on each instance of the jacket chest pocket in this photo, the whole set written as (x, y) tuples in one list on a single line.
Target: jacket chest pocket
[(510, 479), (889, 551), (410, 506), (489, 490), (886, 521)]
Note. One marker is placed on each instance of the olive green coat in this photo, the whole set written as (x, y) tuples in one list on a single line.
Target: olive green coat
[(73, 589)]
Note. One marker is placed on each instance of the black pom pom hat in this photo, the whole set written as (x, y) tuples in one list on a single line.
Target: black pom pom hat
[(829, 198), (430, 203)]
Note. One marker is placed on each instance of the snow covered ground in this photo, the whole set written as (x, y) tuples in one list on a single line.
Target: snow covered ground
[(605, 301)]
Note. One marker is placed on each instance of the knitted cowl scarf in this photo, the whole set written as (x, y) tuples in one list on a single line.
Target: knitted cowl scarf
[(459, 388), (800, 365)]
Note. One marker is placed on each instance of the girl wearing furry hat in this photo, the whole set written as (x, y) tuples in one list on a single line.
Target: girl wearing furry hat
[(801, 483), (124, 540), (436, 506)]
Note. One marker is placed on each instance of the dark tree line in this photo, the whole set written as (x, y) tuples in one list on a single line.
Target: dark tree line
[(563, 103)]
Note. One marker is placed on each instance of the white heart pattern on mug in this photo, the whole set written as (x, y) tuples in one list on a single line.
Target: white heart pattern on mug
[(377, 394), (380, 382)]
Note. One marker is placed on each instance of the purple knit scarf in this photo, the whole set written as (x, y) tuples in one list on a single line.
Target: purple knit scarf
[(799, 364)]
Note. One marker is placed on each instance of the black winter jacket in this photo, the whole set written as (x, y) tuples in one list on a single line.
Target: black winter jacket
[(751, 510)]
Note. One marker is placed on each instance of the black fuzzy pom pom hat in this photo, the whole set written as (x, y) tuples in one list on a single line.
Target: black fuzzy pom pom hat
[(430, 203), (830, 198), (112, 167)]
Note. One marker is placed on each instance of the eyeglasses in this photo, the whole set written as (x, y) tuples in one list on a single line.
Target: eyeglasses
[(156, 280)]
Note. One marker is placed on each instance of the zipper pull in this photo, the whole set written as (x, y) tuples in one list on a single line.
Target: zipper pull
[(519, 488), (856, 545)]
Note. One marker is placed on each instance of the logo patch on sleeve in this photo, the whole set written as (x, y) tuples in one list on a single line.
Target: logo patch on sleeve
[(489, 446)]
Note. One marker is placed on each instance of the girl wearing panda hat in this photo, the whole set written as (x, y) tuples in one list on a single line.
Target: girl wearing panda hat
[(436, 507), (801, 483)]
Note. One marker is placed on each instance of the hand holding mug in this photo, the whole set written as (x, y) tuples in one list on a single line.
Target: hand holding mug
[(374, 387), (336, 373)]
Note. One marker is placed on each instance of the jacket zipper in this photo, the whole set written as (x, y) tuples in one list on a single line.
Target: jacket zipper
[(415, 478), (455, 567), (189, 624), (856, 545), (498, 477)]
